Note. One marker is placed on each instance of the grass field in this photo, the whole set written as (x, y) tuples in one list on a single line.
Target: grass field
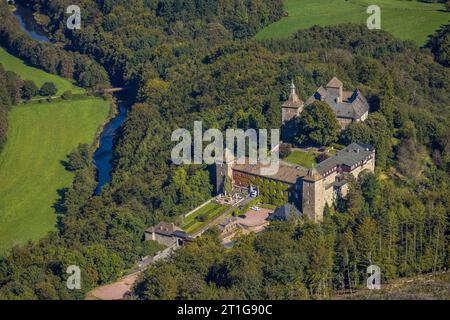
[(39, 137), (407, 20), (211, 211), (304, 159), (12, 63)]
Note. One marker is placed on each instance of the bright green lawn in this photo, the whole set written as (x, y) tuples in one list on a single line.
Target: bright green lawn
[(304, 159), (39, 137), (212, 210), (408, 20), (12, 63)]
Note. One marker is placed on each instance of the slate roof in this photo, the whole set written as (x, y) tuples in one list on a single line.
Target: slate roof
[(181, 234), (286, 174), (284, 213), (349, 156), (335, 83), (353, 106), (164, 228)]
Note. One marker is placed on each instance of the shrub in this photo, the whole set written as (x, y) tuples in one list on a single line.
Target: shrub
[(285, 150), (322, 157), (29, 89), (202, 218), (48, 89), (67, 95)]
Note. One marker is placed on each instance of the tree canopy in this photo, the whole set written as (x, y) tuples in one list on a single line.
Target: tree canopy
[(317, 125)]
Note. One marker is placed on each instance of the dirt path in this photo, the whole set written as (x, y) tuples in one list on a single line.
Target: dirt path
[(114, 291)]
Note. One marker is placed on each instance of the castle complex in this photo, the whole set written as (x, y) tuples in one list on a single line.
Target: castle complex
[(310, 190), (349, 106)]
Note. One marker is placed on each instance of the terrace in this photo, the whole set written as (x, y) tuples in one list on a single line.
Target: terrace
[(202, 216)]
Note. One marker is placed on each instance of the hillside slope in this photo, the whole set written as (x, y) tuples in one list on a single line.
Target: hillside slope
[(407, 20), (39, 138)]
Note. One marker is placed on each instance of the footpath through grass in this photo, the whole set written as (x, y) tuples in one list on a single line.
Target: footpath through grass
[(407, 20), (40, 136), (11, 63), (202, 216)]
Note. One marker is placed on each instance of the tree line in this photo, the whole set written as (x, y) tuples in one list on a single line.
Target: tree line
[(46, 56), (13, 90)]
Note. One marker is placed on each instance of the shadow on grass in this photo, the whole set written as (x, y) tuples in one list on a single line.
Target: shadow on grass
[(60, 208)]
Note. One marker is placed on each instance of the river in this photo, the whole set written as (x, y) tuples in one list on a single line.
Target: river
[(28, 24), (104, 154)]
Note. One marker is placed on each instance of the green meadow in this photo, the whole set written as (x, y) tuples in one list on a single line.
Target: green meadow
[(11, 63), (407, 20), (39, 138)]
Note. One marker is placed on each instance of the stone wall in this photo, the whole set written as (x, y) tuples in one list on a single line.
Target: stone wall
[(369, 165), (160, 238), (318, 193), (344, 122)]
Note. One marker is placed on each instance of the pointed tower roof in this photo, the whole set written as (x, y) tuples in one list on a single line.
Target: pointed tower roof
[(292, 85), (294, 101), (335, 83)]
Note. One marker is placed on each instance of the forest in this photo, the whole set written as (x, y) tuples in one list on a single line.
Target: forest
[(209, 68)]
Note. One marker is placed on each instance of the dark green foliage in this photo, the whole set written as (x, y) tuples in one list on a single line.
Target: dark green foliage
[(29, 89), (439, 44), (285, 150), (10, 93), (92, 76), (48, 89), (374, 131), (317, 125), (242, 18), (79, 158)]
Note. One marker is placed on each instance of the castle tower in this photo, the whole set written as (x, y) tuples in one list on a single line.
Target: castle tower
[(336, 88), (289, 111), (224, 169), (313, 195)]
